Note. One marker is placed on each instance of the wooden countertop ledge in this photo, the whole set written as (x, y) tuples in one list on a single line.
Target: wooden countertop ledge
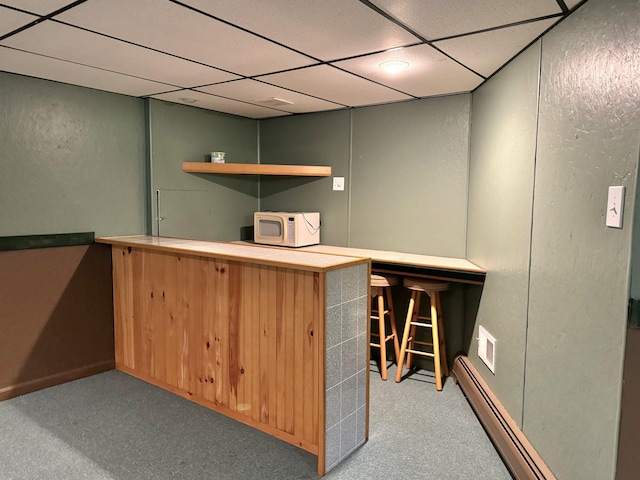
[(293, 258)]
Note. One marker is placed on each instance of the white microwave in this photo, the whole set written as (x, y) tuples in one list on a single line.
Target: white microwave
[(286, 229)]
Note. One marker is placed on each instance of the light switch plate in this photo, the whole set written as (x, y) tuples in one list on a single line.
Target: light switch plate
[(615, 206), (338, 183)]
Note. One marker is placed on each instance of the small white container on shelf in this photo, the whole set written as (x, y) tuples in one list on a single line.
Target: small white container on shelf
[(217, 157)]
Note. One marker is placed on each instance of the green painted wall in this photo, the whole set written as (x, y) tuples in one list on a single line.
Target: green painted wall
[(313, 139), (403, 163), (589, 129), (409, 176), (71, 159), (204, 206), (573, 311), (502, 161)]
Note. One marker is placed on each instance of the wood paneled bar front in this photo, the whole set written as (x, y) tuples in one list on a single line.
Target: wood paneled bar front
[(276, 339)]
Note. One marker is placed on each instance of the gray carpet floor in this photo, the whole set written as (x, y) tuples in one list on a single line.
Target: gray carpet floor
[(114, 427)]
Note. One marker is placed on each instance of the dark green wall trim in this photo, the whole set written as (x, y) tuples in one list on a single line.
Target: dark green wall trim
[(26, 242), (148, 196)]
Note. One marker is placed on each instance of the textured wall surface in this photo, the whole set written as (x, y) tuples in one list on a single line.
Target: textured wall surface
[(589, 125), (409, 176), (71, 159), (315, 139), (560, 322), (203, 206), (502, 160)]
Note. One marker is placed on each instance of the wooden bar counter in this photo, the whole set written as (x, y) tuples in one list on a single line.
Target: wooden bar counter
[(276, 339)]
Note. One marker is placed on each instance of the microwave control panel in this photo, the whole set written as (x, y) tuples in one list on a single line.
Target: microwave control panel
[(291, 230)]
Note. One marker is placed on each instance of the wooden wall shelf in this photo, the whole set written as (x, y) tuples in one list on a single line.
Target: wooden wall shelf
[(257, 169)]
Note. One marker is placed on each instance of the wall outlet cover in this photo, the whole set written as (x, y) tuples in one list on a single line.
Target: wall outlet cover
[(487, 348)]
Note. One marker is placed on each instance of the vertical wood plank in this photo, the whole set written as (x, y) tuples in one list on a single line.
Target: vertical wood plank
[(122, 306), (298, 355), (133, 260), (185, 302), (272, 346), (234, 336), (317, 340), (207, 341), (264, 344), (221, 334), (144, 336), (244, 343), (169, 304), (320, 300), (196, 325), (309, 354), (256, 327), (289, 349), (280, 365), (157, 329)]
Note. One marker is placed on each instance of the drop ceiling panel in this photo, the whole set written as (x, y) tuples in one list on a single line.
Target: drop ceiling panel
[(318, 54), (256, 92), (11, 20), (39, 7), (172, 28), (80, 46), (437, 19), (211, 102), (33, 65), (327, 29), (487, 52), (336, 86), (429, 72)]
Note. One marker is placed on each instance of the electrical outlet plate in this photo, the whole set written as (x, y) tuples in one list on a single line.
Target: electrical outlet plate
[(338, 183), (487, 348), (615, 205)]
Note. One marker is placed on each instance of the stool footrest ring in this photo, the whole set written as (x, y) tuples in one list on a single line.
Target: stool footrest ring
[(420, 352)]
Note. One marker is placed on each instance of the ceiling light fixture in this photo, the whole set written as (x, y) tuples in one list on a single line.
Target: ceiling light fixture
[(187, 100), (394, 66)]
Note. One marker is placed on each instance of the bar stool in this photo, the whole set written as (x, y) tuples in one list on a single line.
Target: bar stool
[(381, 286), (432, 288)]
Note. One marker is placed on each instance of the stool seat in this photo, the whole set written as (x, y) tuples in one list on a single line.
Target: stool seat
[(381, 285), (384, 280), (425, 285)]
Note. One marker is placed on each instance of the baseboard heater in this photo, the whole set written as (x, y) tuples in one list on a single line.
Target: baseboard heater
[(518, 454)]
